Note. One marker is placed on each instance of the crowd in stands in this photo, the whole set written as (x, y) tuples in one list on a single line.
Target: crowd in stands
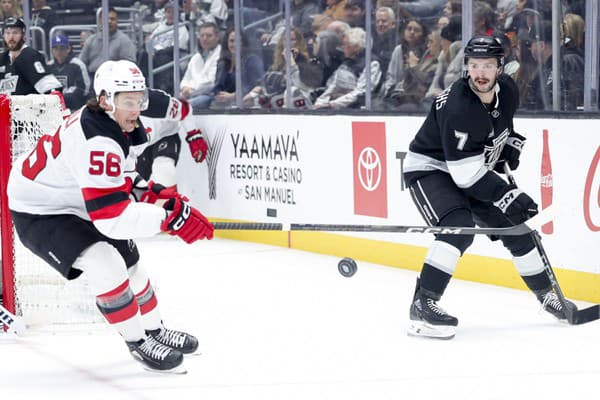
[(416, 49)]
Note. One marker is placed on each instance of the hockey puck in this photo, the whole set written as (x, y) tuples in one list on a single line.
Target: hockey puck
[(347, 267)]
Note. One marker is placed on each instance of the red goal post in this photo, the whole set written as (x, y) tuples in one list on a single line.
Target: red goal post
[(31, 288)]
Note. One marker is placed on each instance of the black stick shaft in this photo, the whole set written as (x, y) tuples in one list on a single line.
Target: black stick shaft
[(448, 230)]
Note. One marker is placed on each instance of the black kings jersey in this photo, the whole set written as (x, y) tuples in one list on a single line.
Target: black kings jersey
[(464, 137), (26, 74)]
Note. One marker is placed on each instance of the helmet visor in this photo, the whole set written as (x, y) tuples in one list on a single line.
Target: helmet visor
[(132, 101)]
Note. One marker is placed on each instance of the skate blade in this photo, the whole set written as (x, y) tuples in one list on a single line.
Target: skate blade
[(179, 370), (423, 329)]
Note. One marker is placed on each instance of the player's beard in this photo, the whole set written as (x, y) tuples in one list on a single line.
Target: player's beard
[(16, 47)]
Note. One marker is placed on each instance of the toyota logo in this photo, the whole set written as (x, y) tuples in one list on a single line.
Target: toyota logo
[(369, 169)]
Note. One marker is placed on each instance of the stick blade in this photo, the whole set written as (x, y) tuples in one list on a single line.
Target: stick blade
[(586, 315), (544, 216)]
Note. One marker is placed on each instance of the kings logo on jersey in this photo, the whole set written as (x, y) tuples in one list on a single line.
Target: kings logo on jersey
[(9, 84), (492, 152)]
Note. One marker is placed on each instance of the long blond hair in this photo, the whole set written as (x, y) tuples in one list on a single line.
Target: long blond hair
[(278, 60), (17, 10), (573, 27)]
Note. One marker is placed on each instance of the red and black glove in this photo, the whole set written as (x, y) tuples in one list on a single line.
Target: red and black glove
[(198, 146), (156, 191), (186, 222)]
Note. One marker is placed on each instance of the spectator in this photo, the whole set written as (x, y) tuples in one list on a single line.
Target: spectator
[(200, 76), (153, 15), (393, 4), (43, 16), (303, 12), (305, 75), (528, 14), (215, 11), (414, 39), (70, 71), (347, 85), (355, 13), (412, 46), (252, 73), (120, 46), (340, 28), (408, 93), (385, 36), (10, 8), (336, 9), (319, 24), (162, 42), (452, 7), (23, 69), (539, 96), (450, 60), (484, 19), (328, 54), (511, 62), (302, 15), (573, 31), (505, 12)]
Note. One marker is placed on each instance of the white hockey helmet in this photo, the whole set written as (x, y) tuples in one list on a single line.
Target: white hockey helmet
[(113, 77)]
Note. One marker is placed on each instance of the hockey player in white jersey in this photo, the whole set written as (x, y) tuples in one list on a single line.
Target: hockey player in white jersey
[(451, 170), (70, 203), (158, 161)]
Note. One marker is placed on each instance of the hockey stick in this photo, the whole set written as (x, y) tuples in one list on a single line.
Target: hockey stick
[(11, 322), (521, 229), (574, 316)]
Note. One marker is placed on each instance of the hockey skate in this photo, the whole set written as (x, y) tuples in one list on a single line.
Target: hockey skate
[(427, 319), (156, 357), (551, 304), (180, 341)]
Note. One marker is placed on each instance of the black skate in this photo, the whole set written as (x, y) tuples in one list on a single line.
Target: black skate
[(155, 356), (180, 341), (551, 304), (428, 319)]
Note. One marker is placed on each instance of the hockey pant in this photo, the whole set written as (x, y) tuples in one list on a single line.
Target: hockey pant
[(442, 203)]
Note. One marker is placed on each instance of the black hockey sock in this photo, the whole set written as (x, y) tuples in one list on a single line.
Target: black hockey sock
[(538, 283), (434, 281)]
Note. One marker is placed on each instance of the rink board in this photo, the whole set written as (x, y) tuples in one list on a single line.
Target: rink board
[(348, 169)]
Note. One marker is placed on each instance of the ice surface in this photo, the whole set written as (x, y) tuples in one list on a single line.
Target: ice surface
[(275, 323)]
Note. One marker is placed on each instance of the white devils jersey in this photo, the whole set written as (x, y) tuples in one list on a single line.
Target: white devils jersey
[(159, 128), (84, 169)]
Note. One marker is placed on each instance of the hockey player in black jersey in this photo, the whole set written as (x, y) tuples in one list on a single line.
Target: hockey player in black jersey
[(23, 70), (452, 171)]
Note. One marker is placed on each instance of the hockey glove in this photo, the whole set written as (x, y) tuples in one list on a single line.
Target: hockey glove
[(516, 205), (198, 146), (156, 191), (510, 153), (185, 221)]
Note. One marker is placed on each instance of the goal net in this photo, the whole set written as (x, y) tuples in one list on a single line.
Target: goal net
[(30, 287)]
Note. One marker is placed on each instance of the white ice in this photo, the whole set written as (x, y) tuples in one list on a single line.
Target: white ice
[(275, 323)]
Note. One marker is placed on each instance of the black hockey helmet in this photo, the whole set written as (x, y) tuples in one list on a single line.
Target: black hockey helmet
[(12, 22), (485, 47)]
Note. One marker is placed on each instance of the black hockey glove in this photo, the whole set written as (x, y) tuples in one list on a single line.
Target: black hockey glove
[(516, 205), (510, 153)]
